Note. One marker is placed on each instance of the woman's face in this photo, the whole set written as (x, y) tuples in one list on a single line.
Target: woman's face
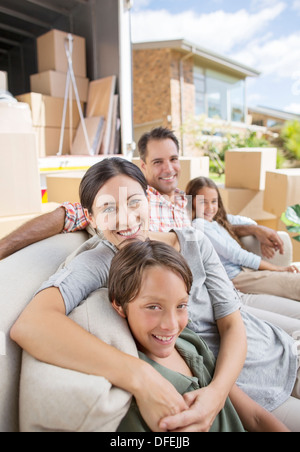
[(206, 203), (120, 210)]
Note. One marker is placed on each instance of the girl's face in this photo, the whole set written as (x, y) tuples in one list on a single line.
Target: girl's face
[(206, 203), (120, 210), (159, 313)]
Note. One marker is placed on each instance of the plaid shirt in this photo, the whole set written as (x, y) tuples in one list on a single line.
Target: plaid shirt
[(163, 214)]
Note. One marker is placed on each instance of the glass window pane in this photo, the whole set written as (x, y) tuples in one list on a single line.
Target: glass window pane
[(216, 98), (237, 103), (226, 98), (199, 82)]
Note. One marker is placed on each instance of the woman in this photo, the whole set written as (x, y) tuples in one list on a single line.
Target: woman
[(248, 272), (113, 192)]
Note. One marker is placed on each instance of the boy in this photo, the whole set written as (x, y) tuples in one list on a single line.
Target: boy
[(149, 284)]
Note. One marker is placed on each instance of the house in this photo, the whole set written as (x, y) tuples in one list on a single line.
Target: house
[(176, 79), (270, 117)]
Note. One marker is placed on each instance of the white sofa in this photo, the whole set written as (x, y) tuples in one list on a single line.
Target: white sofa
[(20, 275)]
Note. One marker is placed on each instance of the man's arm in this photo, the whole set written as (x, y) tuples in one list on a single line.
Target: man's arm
[(32, 231), (268, 238)]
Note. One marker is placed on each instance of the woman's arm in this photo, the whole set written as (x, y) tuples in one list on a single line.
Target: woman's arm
[(254, 417), (206, 403), (45, 332)]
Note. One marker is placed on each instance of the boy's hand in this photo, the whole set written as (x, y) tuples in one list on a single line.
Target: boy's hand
[(204, 405)]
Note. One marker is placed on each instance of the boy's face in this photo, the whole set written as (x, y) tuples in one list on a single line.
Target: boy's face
[(159, 313)]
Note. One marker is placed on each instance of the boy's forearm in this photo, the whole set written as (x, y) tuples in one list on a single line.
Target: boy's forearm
[(37, 229)]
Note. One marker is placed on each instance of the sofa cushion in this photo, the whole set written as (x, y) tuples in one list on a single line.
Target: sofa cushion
[(21, 274), (57, 399)]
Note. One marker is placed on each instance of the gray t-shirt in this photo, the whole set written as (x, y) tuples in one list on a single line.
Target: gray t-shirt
[(270, 368)]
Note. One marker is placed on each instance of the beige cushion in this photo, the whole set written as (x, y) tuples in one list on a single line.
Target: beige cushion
[(57, 399), (282, 260), (21, 274)]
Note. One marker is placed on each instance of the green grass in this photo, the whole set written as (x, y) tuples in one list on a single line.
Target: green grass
[(219, 180)]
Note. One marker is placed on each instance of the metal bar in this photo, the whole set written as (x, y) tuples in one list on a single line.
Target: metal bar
[(17, 31), (56, 9), (48, 6), (63, 122), (24, 17), (10, 42)]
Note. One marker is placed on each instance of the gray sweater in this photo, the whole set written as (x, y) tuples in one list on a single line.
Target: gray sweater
[(269, 372)]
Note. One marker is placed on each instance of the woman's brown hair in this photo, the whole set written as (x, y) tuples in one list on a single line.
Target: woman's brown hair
[(192, 190), (128, 266)]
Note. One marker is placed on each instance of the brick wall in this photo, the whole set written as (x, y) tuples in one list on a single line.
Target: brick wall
[(151, 85), (156, 88)]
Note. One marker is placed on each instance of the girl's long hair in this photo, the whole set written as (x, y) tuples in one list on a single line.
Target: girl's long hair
[(193, 188)]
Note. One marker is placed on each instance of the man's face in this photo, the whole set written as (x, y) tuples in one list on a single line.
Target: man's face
[(162, 167)]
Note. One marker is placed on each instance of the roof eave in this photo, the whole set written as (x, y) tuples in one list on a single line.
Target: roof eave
[(186, 46)]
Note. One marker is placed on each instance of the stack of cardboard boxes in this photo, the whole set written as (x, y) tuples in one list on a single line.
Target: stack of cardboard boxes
[(245, 178), (46, 99), (255, 189), (20, 192), (283, 190), (97, 131)]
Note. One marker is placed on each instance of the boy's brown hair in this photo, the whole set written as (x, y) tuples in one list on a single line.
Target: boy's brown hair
[(128, 265)]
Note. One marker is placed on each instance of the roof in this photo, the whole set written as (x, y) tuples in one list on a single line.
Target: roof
[(205, 54), (280, 114)]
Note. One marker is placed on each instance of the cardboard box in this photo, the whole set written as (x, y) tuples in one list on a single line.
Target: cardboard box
[(248, 203), (9, 224), (3, 80), (47, 111), (236, 199), (64, 186), (246, 167), (53, 83), (191, 167), (282, 190), (48, 139), (15, 116), (51, 53), (20, 191)]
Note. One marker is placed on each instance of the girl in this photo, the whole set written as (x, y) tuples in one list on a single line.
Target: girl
[(248, 272), (113, 193), (149, 285)]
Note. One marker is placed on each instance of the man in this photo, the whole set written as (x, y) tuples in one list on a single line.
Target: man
[(159, 153)]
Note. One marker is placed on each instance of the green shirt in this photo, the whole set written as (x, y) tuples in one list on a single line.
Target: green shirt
[(202, 364)]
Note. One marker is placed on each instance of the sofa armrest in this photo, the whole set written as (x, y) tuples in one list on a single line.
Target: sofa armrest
[(283, 260), (21, 274)]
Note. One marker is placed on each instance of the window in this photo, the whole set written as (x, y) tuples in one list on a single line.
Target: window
[(219, 95), (199, 82)]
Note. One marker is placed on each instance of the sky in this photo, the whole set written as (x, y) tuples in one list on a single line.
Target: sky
[(261, 34)]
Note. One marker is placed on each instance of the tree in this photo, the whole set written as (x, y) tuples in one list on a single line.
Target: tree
[(291, 137)]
